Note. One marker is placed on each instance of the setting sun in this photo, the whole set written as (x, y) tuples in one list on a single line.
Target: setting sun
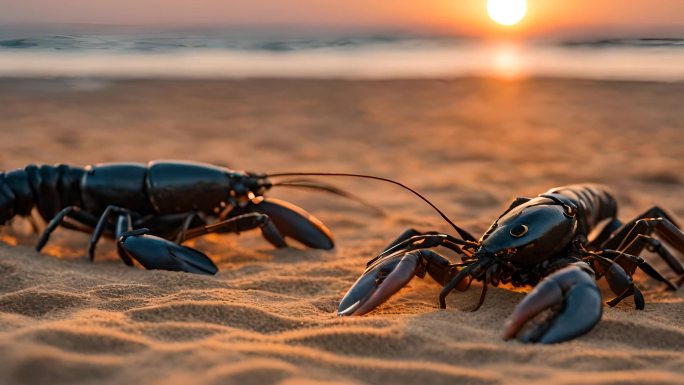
[(507, 12)]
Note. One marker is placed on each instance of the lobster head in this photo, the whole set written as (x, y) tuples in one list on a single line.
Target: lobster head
[(530, 232), (245, 186)]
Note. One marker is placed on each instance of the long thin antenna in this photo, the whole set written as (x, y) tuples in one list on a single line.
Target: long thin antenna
[(464, 234), (317, 185)]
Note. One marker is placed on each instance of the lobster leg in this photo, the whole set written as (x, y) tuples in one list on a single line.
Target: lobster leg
[(634, 236), (403, 238), (602, 232), (158, 253), (462, 280), (239, 224), (292, 221), (667, 231), (83, 220), (621, 233), (628, 264), (170, 226), (102, 226), (621, 283), (571, 297), (408, 234), (86, 222), (123, 226)]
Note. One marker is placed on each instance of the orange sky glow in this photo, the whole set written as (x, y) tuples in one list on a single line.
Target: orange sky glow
[(457, 16)]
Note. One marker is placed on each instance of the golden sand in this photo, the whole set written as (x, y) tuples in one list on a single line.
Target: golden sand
[(268, 316)]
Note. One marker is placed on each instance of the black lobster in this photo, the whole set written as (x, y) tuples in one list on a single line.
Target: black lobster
[(150, 209), (560, 242)]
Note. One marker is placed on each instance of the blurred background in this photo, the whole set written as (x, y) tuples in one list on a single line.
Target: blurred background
[(343, 39)]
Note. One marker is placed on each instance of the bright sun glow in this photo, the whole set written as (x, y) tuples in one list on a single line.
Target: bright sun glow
[(507, 12)]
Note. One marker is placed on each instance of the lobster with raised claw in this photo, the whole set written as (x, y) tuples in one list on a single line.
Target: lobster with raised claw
[(560, 243), (150, 209)]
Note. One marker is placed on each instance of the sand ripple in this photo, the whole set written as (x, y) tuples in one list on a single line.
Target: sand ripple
[(269, 317)]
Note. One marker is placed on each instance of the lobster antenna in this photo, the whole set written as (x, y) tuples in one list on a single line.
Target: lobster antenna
[(464, 234), (316, 185)]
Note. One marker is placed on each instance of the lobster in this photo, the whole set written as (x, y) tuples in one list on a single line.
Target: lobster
[(560, 243), (150, 209)]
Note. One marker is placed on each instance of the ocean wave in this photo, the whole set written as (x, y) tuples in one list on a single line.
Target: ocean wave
[(236, 55), (166, 43), (630, 43)]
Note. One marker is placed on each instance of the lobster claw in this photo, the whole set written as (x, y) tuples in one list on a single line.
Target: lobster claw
[(158, 253), (573, 300), (378, 283), (292, 221)]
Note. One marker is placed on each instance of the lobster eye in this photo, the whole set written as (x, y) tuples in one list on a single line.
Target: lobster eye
[(519, 230), (569, 211)]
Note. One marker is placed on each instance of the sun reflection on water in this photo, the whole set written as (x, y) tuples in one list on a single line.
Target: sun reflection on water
[(507, 61)]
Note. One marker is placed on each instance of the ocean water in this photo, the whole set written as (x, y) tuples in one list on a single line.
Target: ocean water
[(230, 54)]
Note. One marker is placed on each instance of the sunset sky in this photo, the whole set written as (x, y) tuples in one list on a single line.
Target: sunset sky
[(458, 16)]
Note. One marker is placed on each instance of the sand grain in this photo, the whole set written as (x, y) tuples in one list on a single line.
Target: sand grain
[(471, 145)]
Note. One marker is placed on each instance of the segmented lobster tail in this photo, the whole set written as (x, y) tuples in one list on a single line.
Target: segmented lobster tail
[(48, 188), (596, 203)]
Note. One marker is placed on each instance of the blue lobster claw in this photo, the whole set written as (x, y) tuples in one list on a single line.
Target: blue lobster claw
[(294, 222), (572, 297), (158, 253), (378, 283)]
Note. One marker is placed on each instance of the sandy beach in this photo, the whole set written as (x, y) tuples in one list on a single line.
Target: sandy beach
[(471, 145)]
